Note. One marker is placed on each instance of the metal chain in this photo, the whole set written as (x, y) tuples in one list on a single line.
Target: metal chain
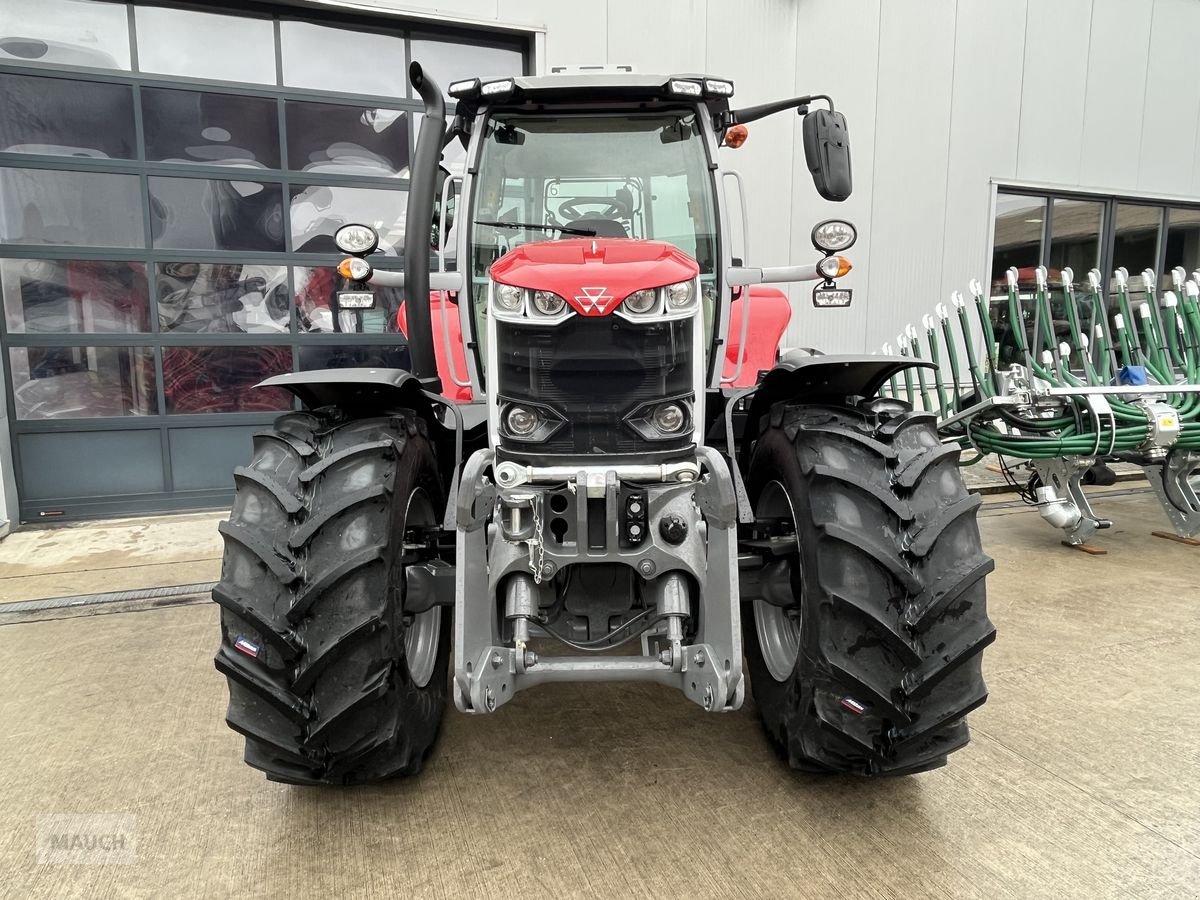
[(537, 549)]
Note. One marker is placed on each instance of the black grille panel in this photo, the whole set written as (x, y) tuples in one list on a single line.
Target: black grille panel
[(594, 372)]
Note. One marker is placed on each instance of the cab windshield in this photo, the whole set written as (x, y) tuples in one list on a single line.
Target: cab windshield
[(629, 175)]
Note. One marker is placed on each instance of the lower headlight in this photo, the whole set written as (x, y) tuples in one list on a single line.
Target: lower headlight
[(521, 421), (662, 420), (669, 418)]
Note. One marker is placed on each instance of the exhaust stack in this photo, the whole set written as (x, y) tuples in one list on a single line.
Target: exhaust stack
[(418, 222)]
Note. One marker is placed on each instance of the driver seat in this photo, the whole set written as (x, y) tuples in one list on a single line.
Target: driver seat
[(603, 227)]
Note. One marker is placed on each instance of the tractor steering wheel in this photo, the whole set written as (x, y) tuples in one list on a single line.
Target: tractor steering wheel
[(613, 209)]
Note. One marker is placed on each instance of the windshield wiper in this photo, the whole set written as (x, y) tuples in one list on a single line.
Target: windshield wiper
[(585, 232)]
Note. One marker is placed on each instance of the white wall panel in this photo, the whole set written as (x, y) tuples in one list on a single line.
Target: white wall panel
[(576, 33), (847, 69), (657, 37), (1172, 109), (1116, 89), (766, 161), (1053, 89), (984, 113), (912, 138), (458, 9)]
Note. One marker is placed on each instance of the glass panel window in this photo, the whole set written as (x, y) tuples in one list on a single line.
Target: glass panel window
[(82, 382), (1017, 239), (316, 300), (205, 45), (66, 118), (449, 61), (1077, 226), (318, 211), (226, 298), (335, 59), (1183, 243), (1075, 242), (50, 296), (41, 206), (346, 356), (64, 33), (1017, 242), (214, 129), (223, 379), (349, 140), (210, 214), (1135, 244)]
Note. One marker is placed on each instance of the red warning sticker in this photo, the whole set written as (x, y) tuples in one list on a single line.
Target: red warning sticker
[(250, 648), (853, 705)]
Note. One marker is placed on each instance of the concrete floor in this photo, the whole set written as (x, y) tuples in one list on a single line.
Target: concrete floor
[(110, 555), (1083, 779)]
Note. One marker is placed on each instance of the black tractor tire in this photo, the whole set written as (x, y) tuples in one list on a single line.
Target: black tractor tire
[(322, 683), (884, 592)]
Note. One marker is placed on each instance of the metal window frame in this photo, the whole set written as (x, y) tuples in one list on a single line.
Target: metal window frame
[(1110, 199), (528, 40)]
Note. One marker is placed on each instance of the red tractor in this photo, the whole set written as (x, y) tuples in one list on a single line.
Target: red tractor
[(578, 461)]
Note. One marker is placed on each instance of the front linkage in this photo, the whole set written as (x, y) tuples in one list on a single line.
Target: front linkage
[(642, 526)]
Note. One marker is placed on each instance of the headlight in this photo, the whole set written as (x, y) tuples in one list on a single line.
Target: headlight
[(508, 297), (642, 302), (548, 303), (528, 422), (668, 418), (521, 421), (680, 295), (356, 239), (662, 420), (834, 235)]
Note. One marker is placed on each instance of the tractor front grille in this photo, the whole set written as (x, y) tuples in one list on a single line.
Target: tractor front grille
[(594, 372)]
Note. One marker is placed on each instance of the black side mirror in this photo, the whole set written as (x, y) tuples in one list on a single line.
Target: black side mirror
[(827, 152)]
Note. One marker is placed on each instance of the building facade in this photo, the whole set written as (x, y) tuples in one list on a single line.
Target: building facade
[(171, 176)]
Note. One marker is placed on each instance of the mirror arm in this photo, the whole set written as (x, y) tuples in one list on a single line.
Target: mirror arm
[(753, 113), (438, 281), (739, 276)]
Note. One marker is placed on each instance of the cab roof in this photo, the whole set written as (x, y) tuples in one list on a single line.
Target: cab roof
[(590, 88)]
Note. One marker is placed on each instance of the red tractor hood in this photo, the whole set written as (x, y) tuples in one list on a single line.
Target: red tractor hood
[(594, 275)]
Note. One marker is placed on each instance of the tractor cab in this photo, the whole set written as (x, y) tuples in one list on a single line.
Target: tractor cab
[(604, 157)]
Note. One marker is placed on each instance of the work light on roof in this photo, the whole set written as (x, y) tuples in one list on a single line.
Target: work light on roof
[(718, 88), (467, 88), (684, 88), (497, 88)]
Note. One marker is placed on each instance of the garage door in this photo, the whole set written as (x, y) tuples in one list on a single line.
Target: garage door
[(170, 181)]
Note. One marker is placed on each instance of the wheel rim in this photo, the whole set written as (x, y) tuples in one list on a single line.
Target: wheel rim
[(421, 637), (778, 628)]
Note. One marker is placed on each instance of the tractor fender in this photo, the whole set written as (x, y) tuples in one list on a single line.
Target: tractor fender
[(375, 389), (821, 379)]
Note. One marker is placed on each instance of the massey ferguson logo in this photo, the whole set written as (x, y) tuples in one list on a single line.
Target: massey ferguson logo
[(593, 299)]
